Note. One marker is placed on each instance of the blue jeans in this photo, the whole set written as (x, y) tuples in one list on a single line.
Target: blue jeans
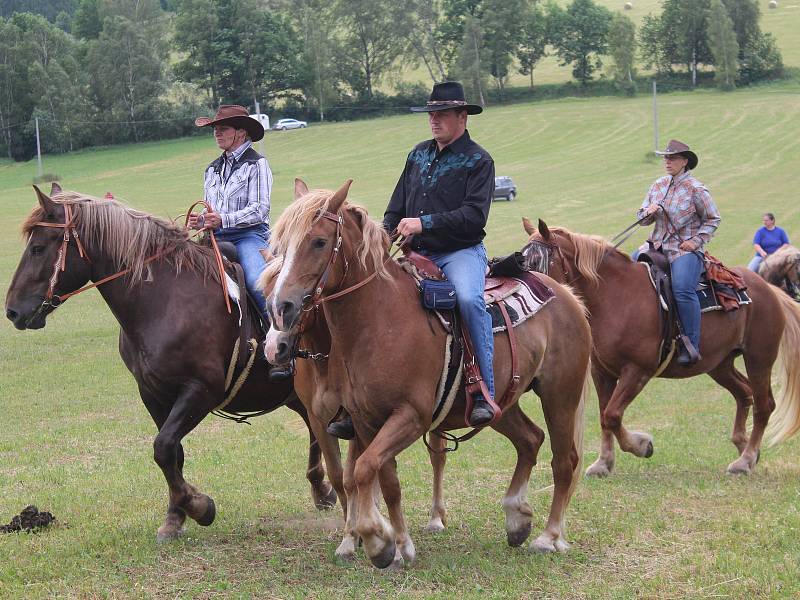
[(466, 270), (686, 272), (249, 241), (755, 263)]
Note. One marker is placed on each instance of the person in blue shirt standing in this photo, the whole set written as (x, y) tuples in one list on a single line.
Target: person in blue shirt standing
[(768, 239)]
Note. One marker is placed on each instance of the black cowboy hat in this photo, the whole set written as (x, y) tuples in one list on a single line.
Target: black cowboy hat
[(447, 95), (235, 116), (676, 147)]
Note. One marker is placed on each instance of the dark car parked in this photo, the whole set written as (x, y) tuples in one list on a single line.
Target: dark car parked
[(504, 188)]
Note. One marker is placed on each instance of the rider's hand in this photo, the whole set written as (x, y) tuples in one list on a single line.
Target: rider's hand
[(194, 221), (688, 246), (409, 226), (213, 220), (651, 209)]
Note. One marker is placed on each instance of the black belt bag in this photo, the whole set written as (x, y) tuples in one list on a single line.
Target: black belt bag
[(438, 295)]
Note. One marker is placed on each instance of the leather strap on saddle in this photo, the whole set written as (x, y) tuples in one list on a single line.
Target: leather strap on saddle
[(424, 265)]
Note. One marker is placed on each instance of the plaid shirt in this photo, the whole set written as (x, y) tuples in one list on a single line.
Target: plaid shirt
[(692, 214), (238, 186)]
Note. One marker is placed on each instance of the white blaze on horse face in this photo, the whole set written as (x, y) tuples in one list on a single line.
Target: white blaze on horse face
[(271, 345), (283, 276)]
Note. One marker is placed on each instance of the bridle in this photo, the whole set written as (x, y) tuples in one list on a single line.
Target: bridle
[(550, 251)]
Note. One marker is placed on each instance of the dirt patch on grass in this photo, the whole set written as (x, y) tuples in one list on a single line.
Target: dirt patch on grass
[(30, 519)]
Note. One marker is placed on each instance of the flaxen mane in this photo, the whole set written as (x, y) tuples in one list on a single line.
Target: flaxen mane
[(590, 250), (300, 216), (128, 236), (780, 263)]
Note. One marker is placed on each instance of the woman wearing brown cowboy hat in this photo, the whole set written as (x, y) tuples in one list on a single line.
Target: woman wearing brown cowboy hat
[(237, 188), (685, 220)]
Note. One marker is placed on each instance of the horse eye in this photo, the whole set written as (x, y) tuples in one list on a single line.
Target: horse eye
[(36, 250), (319, 243)]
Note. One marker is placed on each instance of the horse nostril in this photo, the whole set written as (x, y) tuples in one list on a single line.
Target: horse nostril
[(281, 349), (11, 314), (286, 309)]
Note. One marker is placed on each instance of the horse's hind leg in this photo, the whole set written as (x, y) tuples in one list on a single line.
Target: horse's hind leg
[(562, 407), (438, 457), (737, 384), (174, 425), (323, 493), (630, 383), (527, 438), (763, 405)]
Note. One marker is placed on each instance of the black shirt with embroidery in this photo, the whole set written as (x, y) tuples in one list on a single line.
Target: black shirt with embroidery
[(449, 190)]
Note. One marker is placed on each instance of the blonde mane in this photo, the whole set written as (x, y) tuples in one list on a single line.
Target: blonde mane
[(590, 250), (128, 236), (780, 260), (301, 215)]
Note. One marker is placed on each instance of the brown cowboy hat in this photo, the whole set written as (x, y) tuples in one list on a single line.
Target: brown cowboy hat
[(447, 95), (235, 116), (676, 147)]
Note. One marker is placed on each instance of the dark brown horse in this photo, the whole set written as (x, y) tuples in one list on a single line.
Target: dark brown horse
[(626, 331), (176, 336), (386, 360)]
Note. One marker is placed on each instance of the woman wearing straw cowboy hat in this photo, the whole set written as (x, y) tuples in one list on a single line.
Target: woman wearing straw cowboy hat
[(685, 219), (237, 188)]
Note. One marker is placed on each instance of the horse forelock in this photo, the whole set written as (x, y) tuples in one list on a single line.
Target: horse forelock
[(301, 215), (128, 236)]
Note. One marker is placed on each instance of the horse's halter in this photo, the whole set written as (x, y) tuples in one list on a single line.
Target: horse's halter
[(52, 300)]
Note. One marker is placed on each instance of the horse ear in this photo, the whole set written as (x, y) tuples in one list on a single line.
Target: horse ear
[(44, 200), (544, 231), (339, 197), (300, 188), (529, 228), (55, 189)]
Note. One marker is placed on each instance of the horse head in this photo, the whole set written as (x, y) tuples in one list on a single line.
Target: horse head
[(50, 266)]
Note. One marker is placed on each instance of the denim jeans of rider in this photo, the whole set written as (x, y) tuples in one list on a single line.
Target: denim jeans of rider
[(466, 270), (686, 272), (249, 242)]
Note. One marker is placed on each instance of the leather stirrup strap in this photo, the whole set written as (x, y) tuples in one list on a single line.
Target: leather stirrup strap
[(512, 340), (475, 382)]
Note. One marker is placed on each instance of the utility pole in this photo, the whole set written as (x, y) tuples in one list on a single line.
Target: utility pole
[(258, 115), (655, 118), (38, 149)]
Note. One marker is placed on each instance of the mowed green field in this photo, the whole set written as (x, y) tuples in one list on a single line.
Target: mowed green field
[(76, 440)]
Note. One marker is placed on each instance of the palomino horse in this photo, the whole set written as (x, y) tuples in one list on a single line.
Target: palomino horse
[(179, 366), (387, 355), (626, 332), (782, 268)]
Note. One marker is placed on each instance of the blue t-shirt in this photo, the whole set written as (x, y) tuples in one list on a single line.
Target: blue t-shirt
[(770, 240)]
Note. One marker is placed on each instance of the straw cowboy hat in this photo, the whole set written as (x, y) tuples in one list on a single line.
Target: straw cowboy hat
[(676, 147), (235, 116), (447, 95)]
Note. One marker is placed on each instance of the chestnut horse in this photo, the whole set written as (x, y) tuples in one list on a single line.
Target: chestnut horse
[(176, 336), (386, 359), (782, 268), (626, 332)]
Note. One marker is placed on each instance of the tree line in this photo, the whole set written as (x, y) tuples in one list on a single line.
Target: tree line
[(98, 72)]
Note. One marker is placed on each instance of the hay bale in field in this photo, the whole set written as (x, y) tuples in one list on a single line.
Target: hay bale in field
[(773, 4), (629, 5)]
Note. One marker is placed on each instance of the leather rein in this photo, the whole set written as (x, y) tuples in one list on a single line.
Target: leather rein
[(53, 300)]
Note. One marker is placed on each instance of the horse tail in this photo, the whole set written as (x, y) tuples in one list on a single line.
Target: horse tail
[(785, 421), (578, 431)]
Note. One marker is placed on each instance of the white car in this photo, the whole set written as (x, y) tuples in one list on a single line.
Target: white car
[(284, 124)]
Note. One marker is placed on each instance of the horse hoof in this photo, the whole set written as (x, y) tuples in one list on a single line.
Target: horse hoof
[(649, 451), (598, 470), (169, 535), (435, 525), (385, 557), (210, 513), (327, 502), (518, 537), (542, 545)]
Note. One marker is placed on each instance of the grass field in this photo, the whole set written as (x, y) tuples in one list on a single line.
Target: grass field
[(76, 440)]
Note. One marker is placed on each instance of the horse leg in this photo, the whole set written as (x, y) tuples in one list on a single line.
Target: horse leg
[(346, 550), (563, 413), (184, 499), (604, 465), (763, 405), (527, 438), (399, 431), (631, 381), (405, 552), (438, 458), (737, 384), (322, 492)]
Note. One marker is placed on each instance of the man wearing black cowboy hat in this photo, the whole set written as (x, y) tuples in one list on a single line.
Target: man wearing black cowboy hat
[(237, 187), (685, 220), (442, 203)]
